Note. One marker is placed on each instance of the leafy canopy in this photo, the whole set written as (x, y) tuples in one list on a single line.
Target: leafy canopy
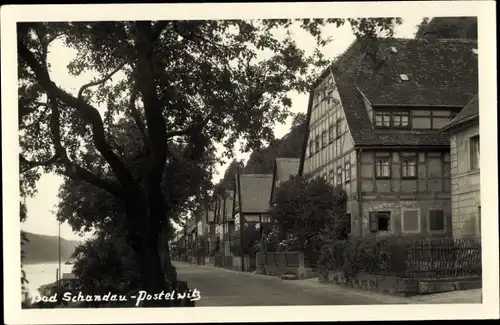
[(305, 208), (165, 93)]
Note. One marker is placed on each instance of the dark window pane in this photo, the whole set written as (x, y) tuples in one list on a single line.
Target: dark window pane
[(384, 221), (436, 220)]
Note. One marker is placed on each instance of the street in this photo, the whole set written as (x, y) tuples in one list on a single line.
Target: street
[(222, 287)]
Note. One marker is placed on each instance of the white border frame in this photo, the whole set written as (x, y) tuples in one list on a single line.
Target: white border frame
[(485, 10), (419, 213)]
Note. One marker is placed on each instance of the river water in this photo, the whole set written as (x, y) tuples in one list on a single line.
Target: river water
[(42, 273)]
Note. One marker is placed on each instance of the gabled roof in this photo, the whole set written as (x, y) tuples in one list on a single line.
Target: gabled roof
[(469, 113), (255, 192), (286, 167)]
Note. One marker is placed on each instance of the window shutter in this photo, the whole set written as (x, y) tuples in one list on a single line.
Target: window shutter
[(373, 222)]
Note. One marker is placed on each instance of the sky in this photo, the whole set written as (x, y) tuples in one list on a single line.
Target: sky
[(41, 208)]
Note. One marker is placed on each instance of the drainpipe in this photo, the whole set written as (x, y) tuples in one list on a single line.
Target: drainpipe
[(360, 192)]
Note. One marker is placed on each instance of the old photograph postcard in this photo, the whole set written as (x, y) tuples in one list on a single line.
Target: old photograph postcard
[(267, 162)]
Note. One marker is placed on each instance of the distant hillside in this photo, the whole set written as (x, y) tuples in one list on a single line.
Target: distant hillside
[(44, 248)]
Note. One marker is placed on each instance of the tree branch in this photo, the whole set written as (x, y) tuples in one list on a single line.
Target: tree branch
[(33, 164), (89, 113), (136, 115), (158, 28), (100, 81)]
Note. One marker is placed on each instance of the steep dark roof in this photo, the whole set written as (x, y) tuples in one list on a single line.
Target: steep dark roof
[(468, 113), (441, 73), (255, 192), (451, 27)]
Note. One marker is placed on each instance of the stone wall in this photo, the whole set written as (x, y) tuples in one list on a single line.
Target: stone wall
[(401, 286)]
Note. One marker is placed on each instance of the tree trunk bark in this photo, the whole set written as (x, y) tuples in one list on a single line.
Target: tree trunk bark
[(152, 276)]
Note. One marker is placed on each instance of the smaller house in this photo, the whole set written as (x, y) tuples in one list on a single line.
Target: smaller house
[(251, 202), (465, 170), (283, 169)]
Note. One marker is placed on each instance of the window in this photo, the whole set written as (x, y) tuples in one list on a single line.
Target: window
[(323, 139), (436, 220), (332, 176), (339, 175), (409, 169), (400, 119), (474, 152), (382, 168), (387, 119), (434, 120), (331, 135), (347, 172), (338, 128), (317, 145), (383, 119), (380, 221), (411, 221), (311, 148), (403, 77)]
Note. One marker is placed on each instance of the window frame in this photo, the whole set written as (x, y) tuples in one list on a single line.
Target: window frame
[(388, 159), (317, 143), (331, 135), (415, 164), (472, 163), (391, 114), (419, 218), (347, 172), (324, 140), (311, 148), (375, 216), (338, 126), (445, 224), (431, 116), (339, 175), (332, 175)]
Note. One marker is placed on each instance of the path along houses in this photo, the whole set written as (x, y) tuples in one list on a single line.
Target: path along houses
[(380, 123)]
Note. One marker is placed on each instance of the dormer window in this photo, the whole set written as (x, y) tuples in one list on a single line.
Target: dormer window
[(392, 119), (404, 77)]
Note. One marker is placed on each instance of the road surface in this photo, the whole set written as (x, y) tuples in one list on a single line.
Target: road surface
[(221, 287)]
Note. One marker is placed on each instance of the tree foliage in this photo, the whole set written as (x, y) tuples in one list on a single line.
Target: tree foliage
[(422, 26), (145, 139), (305, 208)]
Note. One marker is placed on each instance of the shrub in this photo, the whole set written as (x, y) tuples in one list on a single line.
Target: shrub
[(403, 257)]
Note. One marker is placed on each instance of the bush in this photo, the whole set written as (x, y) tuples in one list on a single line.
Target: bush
[(403, 257)]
